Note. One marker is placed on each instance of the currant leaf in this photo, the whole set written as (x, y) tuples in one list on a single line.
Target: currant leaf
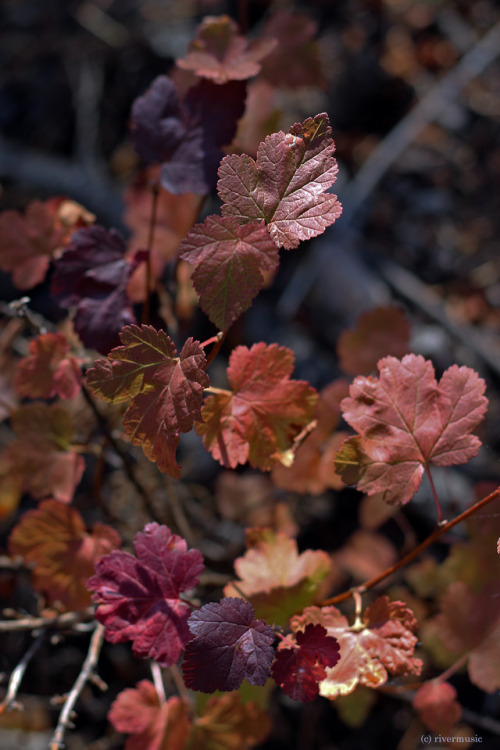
[(229, 259), (383, 643), (138, 598), (229, 724), (275, 578), (54, 540), (42, 455), (437, 706), (228, 646), (405, 421), (151, 724), (49, 370), (164, 391), (92, 275), (187, 137), (298, 670), (258, 420), (286, 185), (219, 53)]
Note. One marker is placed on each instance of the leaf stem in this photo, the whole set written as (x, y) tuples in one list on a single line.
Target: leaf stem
[(158, 682), (434, 495), (436, 534), (155, 190), (216, 347)]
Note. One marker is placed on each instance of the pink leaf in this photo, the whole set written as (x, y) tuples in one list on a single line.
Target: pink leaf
[(286, 186), (49, 371)]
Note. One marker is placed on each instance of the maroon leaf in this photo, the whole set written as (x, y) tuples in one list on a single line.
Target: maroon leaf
[(286, 185), (229, 645), (92, 275), (187, 138), (218, 52), (229, 259), (138, 598), (298, 670), (164, 391)]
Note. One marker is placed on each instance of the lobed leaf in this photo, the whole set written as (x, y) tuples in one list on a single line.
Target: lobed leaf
[(383, 331), (48, 371), (437, 706), (286, 185), (139, 598), (228, 646), (187, 137), (259, 419), (298, 670), (164, 391), (42, 455), (405, 421), (275, 578), (383, 642), (229, 259), (227, 723), (153, 725), (54, 540), (219, 53), (92, 275)]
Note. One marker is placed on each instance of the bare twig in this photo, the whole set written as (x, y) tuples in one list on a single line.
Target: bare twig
[(9, 702), (472, 64), (59, 622), (18, 308), (436, 534), (85, 675)]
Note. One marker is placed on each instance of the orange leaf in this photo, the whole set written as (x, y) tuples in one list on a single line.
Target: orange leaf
[(276, 579), (382, 642), (53, 538), (229, 724), (259, 419), (49, 371)]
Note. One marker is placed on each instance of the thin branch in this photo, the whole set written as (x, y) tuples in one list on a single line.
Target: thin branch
[(59, 622), (18, 308), (85, 675), (354, 195), (9, 702), (436, 534), (158, 682)]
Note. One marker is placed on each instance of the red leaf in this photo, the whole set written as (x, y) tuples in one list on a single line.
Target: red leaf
[(437, 705), (313, 466), (42, 454), (382, 641), (229, 259), (229, 645), (187, 138), (286, 185), (259, 419), (218, 52), (49, 371), (27, 243), (405, 421), (164, 391), (92, 275), (53, 538), (297, 59), (298, 670), (138, 598), (378, 333), (153, 725)]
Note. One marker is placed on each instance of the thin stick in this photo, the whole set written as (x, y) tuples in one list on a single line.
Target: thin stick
[(158, 681), (434, 495), (438, 532), (155, 187), (9, 702), (85, 675), (60, 622)]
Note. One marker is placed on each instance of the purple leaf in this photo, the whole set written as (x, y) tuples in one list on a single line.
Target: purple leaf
[(187, 138), (229, 645), (138, 598), (92, 275)]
